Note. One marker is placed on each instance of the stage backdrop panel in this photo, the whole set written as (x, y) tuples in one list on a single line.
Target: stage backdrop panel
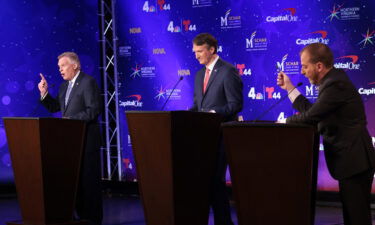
[(155, 50), (33, 34)]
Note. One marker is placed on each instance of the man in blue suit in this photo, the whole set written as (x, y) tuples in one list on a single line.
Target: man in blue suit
[(79, 98), (217, 89)]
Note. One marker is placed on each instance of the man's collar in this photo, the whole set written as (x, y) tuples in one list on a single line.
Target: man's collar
[(75, 77), (212, 65)]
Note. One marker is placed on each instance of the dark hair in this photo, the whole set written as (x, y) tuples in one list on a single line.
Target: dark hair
[(206, 38), (319, 53)]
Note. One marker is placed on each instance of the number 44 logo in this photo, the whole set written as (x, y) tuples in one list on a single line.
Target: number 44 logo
[(151, 8), (187, 27)]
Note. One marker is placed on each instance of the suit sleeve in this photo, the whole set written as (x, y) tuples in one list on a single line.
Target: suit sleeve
[(51, 104), (91, 101), (332, 97), (233, 92)]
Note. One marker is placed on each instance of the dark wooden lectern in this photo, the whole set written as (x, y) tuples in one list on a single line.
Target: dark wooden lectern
[(273, 170), (175, 153), (45, 154)]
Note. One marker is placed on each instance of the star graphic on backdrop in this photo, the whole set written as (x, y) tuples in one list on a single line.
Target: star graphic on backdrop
[(160, 94), (136, 71), (335, 12), (368, 36)]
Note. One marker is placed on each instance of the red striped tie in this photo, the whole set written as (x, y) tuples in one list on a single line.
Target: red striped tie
[(206, 79)]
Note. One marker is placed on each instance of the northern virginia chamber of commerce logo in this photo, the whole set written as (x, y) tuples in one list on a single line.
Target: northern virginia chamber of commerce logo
[(339, 12), (143, 71)]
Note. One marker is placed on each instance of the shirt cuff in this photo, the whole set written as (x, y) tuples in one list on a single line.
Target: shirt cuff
[(293, 94), (42, 98)]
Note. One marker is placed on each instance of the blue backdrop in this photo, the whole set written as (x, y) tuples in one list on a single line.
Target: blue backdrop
[(256, 36), (33, 34)]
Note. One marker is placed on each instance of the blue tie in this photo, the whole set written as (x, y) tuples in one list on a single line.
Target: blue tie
[(68, 92)]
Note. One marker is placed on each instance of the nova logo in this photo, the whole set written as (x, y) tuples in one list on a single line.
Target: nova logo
[(158, 51), (348, 65), (132, 103), (228, 22), (152, 8), (135, 30), (220, 48), (183, 72), (254, 44), (284, 18), (242, 70), (322, 39), (173, 29)]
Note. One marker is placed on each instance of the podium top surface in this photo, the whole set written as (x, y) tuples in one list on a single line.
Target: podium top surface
[(263, 124), (37, 118)]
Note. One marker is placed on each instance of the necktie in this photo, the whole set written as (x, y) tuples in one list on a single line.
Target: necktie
[(68, 92), (206, 79)]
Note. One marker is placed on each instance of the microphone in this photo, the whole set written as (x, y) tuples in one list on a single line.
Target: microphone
[(278, 102), (181, 78)]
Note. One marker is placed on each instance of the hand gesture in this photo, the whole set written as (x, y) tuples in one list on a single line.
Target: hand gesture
[(43, 85), (284, 82)]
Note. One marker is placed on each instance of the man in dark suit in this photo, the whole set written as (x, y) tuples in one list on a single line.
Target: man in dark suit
[(340, 116), (217, 89), (79, 98)]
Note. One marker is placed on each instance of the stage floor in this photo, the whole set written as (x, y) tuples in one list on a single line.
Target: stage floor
[(127, 210)]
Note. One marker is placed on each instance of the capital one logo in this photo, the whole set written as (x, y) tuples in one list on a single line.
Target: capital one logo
[(351, 65), (133, 103), (224, 20), (321, 39), (249, 42), (280, 65), (284, 18)]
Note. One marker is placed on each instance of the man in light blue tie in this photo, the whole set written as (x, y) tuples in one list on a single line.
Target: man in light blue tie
[(79, 98)]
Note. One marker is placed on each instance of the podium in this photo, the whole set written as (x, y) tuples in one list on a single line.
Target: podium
[(46, 155), (273, 171), (175, 154)]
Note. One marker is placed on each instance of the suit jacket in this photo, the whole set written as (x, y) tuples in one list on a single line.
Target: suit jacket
[(340, 116), (83, 103), (223, 92)]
